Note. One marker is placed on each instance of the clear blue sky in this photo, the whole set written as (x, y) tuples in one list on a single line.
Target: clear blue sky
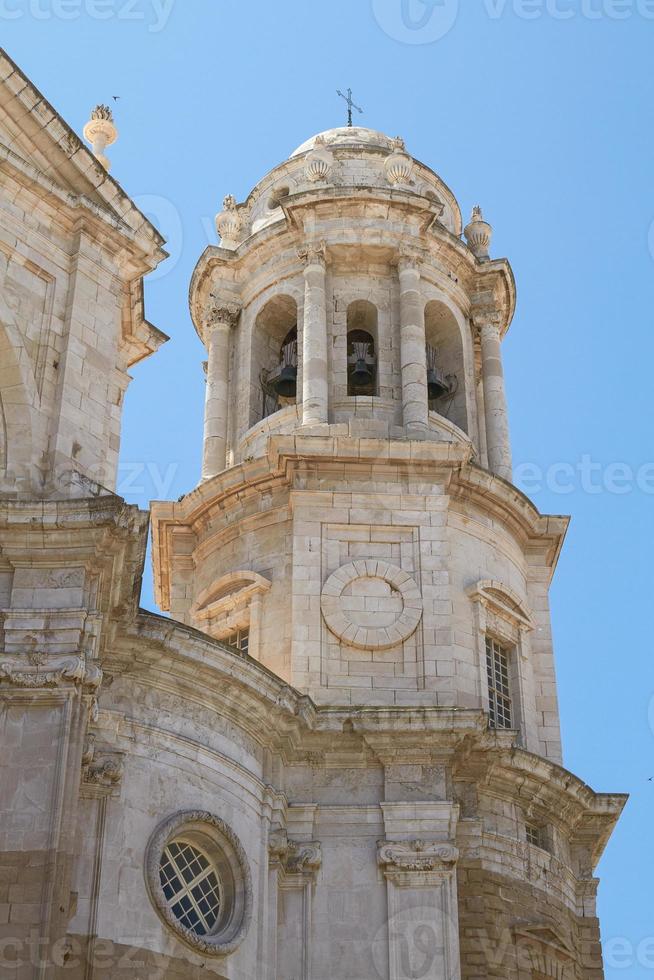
[(541, 112)]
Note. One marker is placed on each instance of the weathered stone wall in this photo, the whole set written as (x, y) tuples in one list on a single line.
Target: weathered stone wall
[(407, 510), (73, 251), (495, 916)]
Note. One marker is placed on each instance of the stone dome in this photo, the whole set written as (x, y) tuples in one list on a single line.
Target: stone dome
[(347, 136)]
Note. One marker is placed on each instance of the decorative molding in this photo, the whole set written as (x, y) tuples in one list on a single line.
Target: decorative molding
[(416, 855), (346, 629), (503, 602), (224, 839), (543, 952), (37, 670), (219, 598)]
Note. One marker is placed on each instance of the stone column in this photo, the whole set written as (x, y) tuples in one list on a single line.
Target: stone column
[(216, 406), (315, 385), (413, 358), (497, 426)]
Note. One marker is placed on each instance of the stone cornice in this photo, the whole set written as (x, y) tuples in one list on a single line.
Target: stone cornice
[(462, 478), (165, 655), (106, 226), (84, 175), (489, 283), (104, 534)]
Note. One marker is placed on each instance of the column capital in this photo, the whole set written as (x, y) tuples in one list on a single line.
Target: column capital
[(415, 856), (409, 259), (313, 253), (222, 315), (38, 670), (487, 319), (294, 857)]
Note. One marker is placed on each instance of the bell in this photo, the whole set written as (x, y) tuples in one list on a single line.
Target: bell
[(286, 384), (361, 377), (436, 385)]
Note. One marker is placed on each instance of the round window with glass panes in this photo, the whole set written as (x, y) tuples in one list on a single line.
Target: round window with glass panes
[(199, 880)]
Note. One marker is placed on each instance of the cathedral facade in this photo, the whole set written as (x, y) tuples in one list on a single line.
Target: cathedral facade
[(339, 755)]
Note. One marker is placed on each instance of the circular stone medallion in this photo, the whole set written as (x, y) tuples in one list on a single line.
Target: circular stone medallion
[(371, 604)]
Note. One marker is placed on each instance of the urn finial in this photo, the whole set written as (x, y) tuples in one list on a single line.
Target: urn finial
[(229, 223), (478, 234), (398, 166), (100, 131)]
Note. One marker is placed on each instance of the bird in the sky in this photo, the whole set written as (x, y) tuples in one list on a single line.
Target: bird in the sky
[(115, 97)]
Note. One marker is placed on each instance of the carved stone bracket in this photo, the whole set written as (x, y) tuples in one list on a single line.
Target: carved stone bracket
[(101, 767), (294, 857), (416, 855)]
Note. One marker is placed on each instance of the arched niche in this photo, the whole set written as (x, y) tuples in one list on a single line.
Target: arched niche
[(362, 348), (445, 355), (274, 357)]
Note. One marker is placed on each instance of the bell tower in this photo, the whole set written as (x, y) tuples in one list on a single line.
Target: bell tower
[(356, 532), (355, 419)]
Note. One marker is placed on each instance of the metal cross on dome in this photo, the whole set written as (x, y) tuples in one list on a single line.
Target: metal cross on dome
[(350, 104)]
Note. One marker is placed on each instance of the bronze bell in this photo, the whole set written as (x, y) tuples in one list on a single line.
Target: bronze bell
[(437, 386), (361, 377), (286, 384)]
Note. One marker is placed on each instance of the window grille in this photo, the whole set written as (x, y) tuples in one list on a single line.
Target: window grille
[(537, 836), (239, 640), (499, 688), (191, 887)]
